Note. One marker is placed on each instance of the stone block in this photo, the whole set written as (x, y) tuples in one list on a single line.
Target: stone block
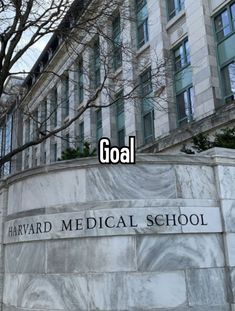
[(43, 292), (206, 287), (142, 181), (195, 182), (108, 254), (25, 258), (175, 252)]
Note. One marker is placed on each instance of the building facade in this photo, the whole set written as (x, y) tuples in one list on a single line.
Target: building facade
[(179, 53)]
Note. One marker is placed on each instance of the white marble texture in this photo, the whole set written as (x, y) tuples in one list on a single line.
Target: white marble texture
[(179, 252), (25, 258), (136, 182), (90, 255), (47, 190), (228, 211), (46, 292), (230, 246), (158, 268), (226, 177), (196, 182), (206, 287)]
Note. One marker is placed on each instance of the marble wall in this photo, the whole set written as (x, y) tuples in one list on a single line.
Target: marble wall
[(163, 267)]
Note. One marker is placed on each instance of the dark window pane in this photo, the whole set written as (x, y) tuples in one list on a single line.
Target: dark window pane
[(222, 25), (233, 14), (182, 56), (148, 127), (121, 138), (228, 77), (142, 22), (98, 124), (185, 106), (146, 82)]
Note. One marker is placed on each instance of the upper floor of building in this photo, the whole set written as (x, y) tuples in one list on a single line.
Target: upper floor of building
[(152, 69)]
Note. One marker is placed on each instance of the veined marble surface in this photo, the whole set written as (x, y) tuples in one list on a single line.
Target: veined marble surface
[(124, 268)]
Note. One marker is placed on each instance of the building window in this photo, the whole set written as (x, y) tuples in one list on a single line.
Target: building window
[(35, 124), (80, 82), (54, 152), (142, 22), (174, 7), (27, 131), (117, 48), (54, 107), (228, 78), (120, 119), (98, 124), (182, 56), (225, 34), (66, 97), (96, 64), (183, 83), (44, 116), (225, 22), (147, 105), (81, 136), (233, 14), (8, 143), (185, 106)]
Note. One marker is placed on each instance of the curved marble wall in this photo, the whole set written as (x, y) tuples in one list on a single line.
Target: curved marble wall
[(130, 260)]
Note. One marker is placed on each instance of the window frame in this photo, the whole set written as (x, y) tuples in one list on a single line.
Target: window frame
[(96, 63), (180, 7), (116, 40), (231, 95), (99, 124), (190, 117), (185, 55), (119, 98), (141, 23), (231, 21), (150, 110), (80, 71)]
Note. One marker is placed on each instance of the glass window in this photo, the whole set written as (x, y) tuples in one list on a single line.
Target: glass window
[(182, 56), (147, 105), (27, 131), (222, 25), (142, 22), (35, 124), (54, 107), (148, 123), (96, 52), (185, 106), (80, 82), (146, 82), (98, 124), (44, 116), (81, 136), (53, 152), (233, 14), (174, 7), (228, 78), (66, 97), (120, 119), (117, 48)]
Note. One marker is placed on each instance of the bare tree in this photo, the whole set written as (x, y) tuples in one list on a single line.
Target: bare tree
[(82, 23)]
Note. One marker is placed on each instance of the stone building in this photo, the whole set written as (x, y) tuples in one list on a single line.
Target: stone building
[(197, 89), (158, 235)]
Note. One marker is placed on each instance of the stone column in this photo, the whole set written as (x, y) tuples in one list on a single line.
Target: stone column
[(225, 178), (203, 57)]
